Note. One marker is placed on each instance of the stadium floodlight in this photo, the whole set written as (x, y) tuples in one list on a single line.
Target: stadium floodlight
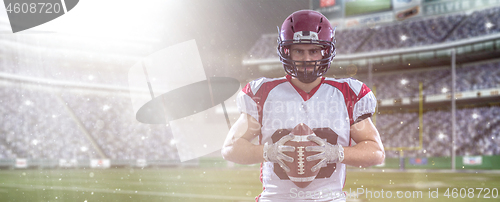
[(444, 90), (404, 81), (84, 149), (488, 25), (475, 116), (441, 136), (403, 37)]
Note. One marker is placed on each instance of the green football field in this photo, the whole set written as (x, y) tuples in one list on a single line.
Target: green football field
[(199, 184)]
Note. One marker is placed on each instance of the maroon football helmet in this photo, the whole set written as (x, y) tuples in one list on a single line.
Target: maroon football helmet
[(306, 27)]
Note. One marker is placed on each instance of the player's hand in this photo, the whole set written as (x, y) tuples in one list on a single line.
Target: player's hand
[(274, 153), (328, 153)]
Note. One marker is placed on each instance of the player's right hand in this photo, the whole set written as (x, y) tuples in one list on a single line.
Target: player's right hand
[(274, 153), (328, 153)]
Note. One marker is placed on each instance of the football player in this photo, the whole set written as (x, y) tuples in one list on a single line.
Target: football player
[(337, 110)]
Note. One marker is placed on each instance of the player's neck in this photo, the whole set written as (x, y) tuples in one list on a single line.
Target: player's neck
[(307, 87)]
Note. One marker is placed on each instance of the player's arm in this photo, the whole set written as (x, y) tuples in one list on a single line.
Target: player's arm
[(368, 150), (238, 146)]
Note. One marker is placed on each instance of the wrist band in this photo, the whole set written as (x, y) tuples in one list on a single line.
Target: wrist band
[(264, 153), (341, 153)]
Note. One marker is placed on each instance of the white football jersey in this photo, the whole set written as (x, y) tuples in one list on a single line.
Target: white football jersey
[(329, 110)]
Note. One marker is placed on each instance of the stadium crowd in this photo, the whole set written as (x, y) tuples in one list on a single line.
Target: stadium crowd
[(41, 123), (477, 132), (409, 33), (436, 81)]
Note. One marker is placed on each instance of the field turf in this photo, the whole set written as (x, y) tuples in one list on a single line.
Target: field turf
[(199, 184)]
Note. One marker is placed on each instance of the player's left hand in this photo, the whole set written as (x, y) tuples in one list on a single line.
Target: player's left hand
[(274, 152), (328, 153)]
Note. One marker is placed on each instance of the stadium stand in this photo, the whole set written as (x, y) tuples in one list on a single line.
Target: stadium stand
[(265, 47), (350, 40), (410, 33), (37, 125), (110, 121), (477, 132), (478, 23), (436, 81)]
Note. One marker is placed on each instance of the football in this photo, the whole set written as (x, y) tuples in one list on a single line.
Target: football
[(300, 169)]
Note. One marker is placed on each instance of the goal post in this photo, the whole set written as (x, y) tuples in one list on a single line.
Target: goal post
[(420, 130)]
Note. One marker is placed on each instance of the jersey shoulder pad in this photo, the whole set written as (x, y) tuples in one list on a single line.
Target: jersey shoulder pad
[(256, 84), (355, 85)]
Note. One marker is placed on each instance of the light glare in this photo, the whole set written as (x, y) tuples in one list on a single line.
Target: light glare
[(404, 81)]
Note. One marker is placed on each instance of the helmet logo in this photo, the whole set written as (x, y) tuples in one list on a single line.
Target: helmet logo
[(305, 35)]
